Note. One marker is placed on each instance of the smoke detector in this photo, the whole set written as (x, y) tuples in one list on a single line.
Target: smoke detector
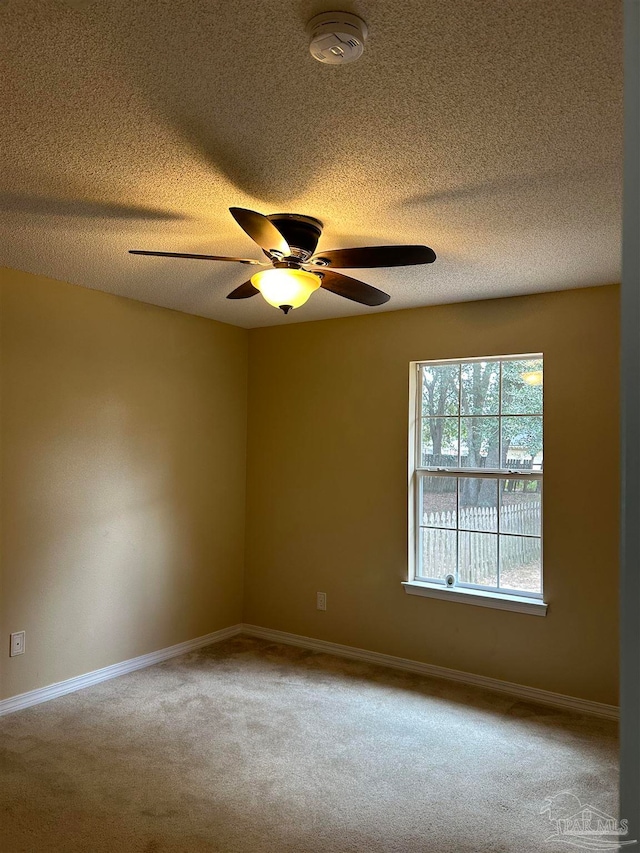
[(337, 37)]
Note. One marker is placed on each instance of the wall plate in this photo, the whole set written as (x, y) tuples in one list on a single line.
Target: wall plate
[(17, 644)]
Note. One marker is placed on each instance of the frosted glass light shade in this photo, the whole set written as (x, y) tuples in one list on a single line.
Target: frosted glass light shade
[(282, 287)]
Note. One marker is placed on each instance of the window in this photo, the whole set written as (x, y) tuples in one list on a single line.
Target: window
[(476, 480)]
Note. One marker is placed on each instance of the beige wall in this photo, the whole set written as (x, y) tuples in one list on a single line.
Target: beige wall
[(327, 487), (123, 483), (123, 478)]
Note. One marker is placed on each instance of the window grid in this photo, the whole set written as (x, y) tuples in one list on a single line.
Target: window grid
[(500, 473), (498, 532)]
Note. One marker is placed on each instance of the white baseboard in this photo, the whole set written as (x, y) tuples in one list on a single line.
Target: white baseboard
[(43, 694), (518, 691)]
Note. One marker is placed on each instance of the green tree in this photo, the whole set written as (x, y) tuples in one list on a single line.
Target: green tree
[(479, 399), (478, 391), (521, 407), (439, 399)]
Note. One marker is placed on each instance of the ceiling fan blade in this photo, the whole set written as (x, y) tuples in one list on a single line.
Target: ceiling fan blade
[(244, 291), (261, 230), (353, 289), (197, 257), (367, 257)]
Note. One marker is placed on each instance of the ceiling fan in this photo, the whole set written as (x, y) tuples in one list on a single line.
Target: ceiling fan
[(289, 241)]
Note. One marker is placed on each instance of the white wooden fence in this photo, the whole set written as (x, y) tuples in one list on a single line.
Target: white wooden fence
[(477, 558), (520, 518)]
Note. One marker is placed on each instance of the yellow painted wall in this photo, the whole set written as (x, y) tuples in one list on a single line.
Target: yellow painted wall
[(327, 487), (123, 478), (123, 483)]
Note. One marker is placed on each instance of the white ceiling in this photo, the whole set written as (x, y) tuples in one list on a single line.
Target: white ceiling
[(491, 130)]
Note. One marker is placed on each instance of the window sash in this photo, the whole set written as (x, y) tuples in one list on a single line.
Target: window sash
[(500, 474), (420, 418)]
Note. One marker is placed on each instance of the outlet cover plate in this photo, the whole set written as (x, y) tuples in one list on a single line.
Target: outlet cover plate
[(321, 600), (17, 644)]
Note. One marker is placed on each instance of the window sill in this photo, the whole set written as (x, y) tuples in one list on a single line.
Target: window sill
[(478, 597)]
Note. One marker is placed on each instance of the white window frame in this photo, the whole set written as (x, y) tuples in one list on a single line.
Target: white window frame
[(520, 601)]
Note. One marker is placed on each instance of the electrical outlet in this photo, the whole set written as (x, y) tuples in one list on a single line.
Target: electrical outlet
[(321, 600), (17, 644)]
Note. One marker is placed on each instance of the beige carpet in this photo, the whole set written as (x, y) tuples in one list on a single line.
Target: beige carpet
[(251, 746)]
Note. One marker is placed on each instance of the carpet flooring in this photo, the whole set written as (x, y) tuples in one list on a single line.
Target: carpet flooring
[(248, 746)]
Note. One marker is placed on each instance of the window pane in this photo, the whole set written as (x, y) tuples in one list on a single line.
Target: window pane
[(478, 558), (440, 442), (520, 506), (480, 388), (520, 564), (438, 553), (478, 503), (440, 389), (438, 501), (522, 443), (522, 387), (479, 442)]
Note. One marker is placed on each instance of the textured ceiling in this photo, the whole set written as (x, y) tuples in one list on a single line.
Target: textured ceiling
[(488, 129)]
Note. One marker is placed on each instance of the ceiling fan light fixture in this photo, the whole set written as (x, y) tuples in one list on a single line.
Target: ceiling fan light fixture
[(285, 288), (289, 241)]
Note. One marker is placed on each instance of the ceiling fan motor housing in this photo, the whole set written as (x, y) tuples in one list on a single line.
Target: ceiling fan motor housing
[(301, 232), (337, 38)]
